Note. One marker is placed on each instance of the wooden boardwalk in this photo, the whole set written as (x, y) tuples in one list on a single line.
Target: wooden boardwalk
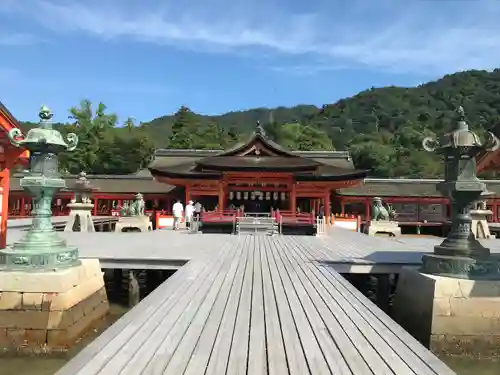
[(251, 305), (345, 251)]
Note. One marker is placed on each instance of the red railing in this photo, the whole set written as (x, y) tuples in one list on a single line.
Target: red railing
[(289, 217), (225, 216)]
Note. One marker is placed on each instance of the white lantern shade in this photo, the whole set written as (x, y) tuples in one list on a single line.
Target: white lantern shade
[(238, 195), (268, 196), (231, 195), (245, 195), (275, 195), (283, 196)]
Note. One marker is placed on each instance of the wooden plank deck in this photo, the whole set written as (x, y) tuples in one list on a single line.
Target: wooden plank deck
[(255, 305), (162, 249), (344, 250)]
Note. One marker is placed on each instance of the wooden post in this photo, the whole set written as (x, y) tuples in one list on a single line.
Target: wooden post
[(342, 206), (367, 210), (5, 185), (328, 210), (221, 197), (22, 209), (188, 193), (293, 199)]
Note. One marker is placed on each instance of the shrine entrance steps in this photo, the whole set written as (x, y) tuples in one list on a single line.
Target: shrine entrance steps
[(256, 225)]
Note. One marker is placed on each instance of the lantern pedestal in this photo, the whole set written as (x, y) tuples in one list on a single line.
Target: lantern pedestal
[(450, 316), (44, 312), (390, 228), (139, 223), (80, 218), (480, 227)]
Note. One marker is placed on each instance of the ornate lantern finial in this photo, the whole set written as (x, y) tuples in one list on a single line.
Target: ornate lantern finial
[(460, 254), (45, 113)]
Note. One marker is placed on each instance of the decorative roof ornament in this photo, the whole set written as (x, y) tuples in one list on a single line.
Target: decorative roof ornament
[(260, 129)]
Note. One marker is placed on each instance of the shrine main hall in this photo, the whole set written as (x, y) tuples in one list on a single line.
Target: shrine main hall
[(258, 176)]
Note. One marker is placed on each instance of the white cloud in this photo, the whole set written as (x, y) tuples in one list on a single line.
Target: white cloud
[(427, 37)]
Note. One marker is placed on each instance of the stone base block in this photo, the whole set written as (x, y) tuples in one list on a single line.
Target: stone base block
[(142, 223), (390, 228), (44, 312), (449, 315)]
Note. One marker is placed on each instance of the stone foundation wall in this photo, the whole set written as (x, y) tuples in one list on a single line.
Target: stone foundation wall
[(448, 315), (44, 312)]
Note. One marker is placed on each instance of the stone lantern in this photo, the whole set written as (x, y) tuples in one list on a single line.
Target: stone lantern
[(80, 216), (44, 286), (41, 247), (461, 255), (447, 304)]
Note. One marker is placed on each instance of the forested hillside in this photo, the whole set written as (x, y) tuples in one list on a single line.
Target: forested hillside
[(381, 127)]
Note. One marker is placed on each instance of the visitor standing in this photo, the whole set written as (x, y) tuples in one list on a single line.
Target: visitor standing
[(189, 214), (197, 210), (177, 210)]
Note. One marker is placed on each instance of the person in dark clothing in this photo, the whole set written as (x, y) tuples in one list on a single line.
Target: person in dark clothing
[(321, 212)]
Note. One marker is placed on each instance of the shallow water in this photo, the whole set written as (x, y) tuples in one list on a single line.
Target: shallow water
[(463, 366), (49, 366)]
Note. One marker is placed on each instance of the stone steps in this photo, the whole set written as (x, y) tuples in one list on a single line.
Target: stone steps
[(256, 225)]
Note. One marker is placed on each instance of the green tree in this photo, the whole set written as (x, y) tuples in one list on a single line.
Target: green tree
[(184, 129), (129, 124), (211, 137), (91, 128)]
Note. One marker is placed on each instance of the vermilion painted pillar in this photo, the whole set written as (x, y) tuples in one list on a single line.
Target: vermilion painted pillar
[(328, 210), (4, 185), (188, 193), (367, 210), (22, 209), (220, 203), (293, 199)]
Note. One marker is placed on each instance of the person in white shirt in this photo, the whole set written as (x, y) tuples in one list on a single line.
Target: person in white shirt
[(189, 214), (177, 210)]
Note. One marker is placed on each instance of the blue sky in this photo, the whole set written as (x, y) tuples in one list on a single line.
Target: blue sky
[(146, 58)]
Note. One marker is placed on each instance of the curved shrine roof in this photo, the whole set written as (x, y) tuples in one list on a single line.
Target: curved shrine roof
[(259, 163), (259, 154)]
